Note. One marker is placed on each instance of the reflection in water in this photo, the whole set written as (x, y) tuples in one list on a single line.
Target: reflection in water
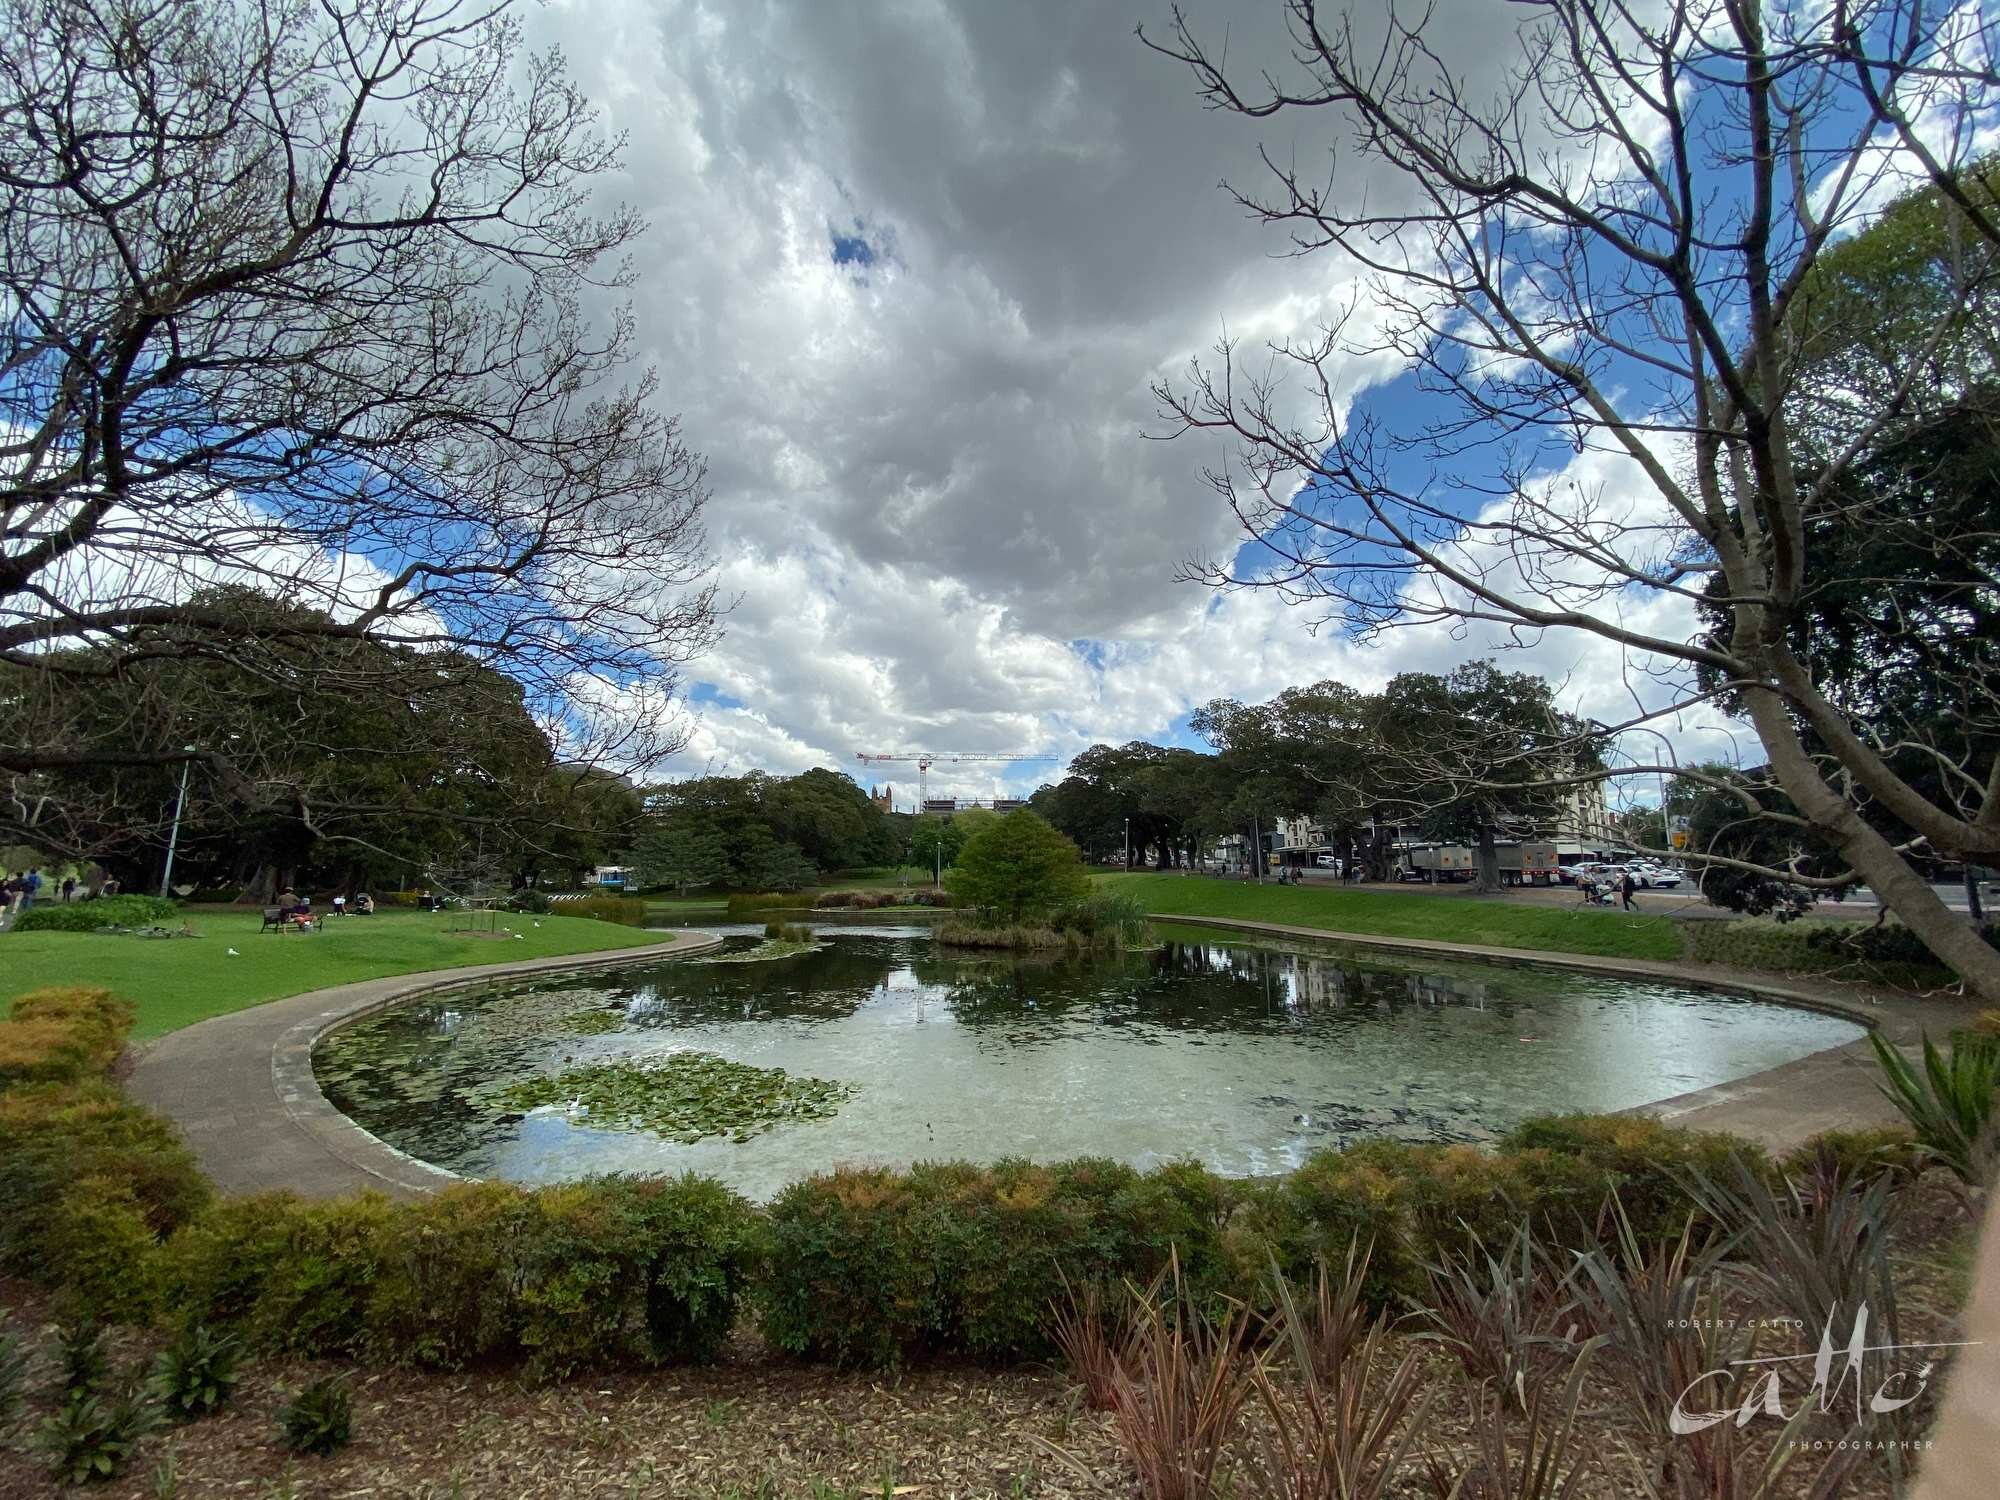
[(1245, 1057)]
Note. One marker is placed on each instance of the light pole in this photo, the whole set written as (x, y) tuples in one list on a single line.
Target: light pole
[(174, 838), (1128, 846)]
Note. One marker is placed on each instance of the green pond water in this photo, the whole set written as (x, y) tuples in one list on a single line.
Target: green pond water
[(1246, 1057)]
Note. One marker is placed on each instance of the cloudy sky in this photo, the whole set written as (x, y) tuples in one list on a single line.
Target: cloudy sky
[(911, 269)]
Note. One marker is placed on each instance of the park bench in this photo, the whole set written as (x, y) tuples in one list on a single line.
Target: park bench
[(279, 920)]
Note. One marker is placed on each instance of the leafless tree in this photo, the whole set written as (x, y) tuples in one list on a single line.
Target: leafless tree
[(296, 310), (1606, 256)]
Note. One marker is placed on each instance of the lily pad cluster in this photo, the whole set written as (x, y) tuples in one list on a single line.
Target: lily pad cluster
[(528, 1014), (686, 1097), (770, 948)]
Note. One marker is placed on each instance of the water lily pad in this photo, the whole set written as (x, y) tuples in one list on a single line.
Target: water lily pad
[(770, 948), (686, 1097)]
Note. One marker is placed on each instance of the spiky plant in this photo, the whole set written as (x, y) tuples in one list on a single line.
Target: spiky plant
[(1179, 1392), (1342, 1432), (1534, 1458), (1948, 1102), (1817, 1249), (13, 1376), (1505, 1318), (85, 1353), (1092, 1338), (1334, 1321)]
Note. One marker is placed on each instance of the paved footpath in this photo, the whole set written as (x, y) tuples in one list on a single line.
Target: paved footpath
[(241, 1086), (1780, 1107)]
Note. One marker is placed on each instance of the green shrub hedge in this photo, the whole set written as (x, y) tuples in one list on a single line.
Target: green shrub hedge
[(867, 1267), (583, 1275), (872, 1266), (630, 911), (1889, 954), (73, 1150), (92, 916), (63, 1034)]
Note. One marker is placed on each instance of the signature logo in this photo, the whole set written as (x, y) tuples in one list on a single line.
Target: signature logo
[(1895, 1383)]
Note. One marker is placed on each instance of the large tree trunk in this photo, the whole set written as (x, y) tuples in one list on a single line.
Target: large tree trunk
[(1486, 878), (1896, 884)]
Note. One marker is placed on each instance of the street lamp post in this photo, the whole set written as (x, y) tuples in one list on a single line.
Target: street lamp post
[(174, 838), (1128, 846)]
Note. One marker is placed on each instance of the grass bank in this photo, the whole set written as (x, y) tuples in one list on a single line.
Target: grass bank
[(1408, 914), (175, 982)]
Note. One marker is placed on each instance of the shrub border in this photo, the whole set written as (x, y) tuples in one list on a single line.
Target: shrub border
[(859, 1266)]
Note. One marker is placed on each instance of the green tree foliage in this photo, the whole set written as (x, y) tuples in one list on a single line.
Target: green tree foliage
[(314, 760), (1476, 755), (758, 832), (1163, 793), (934, 841), (1017, 868), (1902, 622), (681, 854)]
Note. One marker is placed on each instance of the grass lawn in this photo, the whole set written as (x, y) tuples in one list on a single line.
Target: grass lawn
[(178, 981), (1407, 914)]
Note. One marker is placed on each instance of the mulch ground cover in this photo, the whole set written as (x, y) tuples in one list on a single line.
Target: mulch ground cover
[(754, 1427)]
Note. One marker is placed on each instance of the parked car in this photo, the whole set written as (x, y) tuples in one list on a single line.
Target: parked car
[(1327, 861), (1594, 868), (1647, 875)]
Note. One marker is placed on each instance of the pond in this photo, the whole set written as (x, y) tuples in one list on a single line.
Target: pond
[(1245, 1056)]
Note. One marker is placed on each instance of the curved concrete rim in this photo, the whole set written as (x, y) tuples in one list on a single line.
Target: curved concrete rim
[(1732, 982), (1832, 1089), (242, 1090)]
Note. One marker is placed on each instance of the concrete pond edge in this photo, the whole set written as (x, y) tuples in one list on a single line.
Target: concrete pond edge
[(1780, 1107), (242, 1090)]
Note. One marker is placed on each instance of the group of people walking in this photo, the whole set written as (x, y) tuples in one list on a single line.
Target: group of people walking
[(23, 890)]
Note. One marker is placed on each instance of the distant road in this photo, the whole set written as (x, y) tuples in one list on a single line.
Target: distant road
[(1860, 904)]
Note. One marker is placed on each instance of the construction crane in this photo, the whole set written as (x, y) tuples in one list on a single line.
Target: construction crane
[(923, 760)]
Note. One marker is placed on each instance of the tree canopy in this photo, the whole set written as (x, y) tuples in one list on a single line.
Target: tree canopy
[(1642, 251), (1017, 868), (295, 312), (759, 832)]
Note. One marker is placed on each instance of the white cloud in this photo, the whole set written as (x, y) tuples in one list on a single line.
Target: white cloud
[(932, 490)]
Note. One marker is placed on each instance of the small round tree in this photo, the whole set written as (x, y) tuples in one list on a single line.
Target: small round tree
[(1017, 867)]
